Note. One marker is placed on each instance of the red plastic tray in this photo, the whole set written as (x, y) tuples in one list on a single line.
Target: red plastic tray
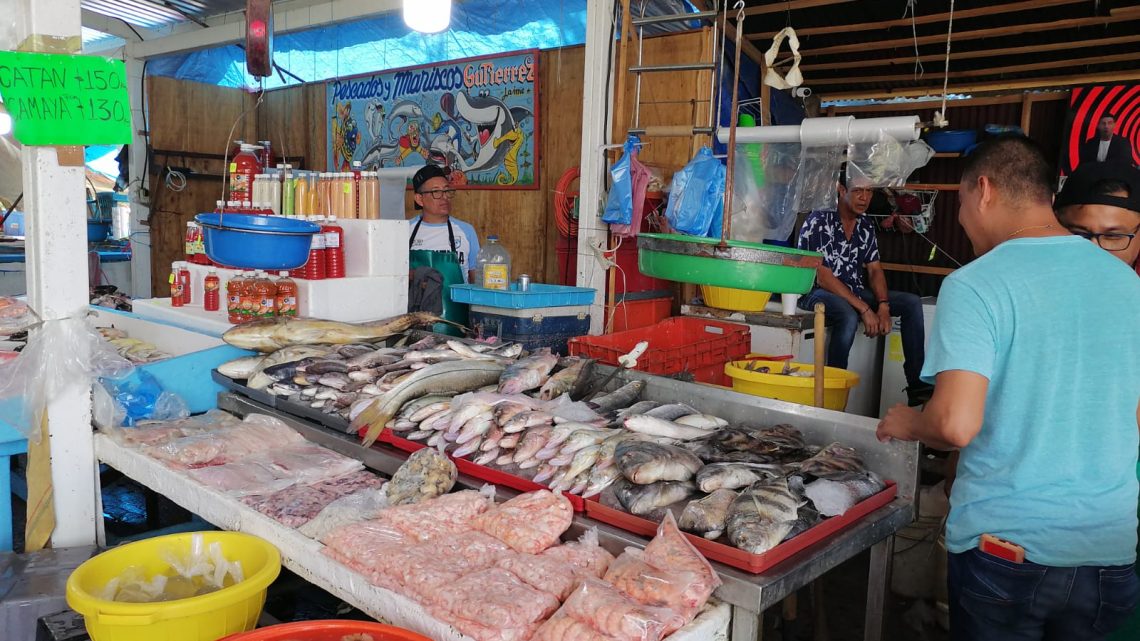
[(481, 472), (678, 344), (737, 558)]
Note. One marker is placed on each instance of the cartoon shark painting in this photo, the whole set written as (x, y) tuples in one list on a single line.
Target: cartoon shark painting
[(500, 136)]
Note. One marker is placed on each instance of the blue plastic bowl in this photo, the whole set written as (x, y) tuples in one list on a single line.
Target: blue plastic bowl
[(97, 231), (951, 141), (248, 241)]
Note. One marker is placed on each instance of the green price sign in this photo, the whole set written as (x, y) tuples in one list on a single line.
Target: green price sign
[(57, 99)]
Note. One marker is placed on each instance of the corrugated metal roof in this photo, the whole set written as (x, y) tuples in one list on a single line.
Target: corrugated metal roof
[(152, 14)]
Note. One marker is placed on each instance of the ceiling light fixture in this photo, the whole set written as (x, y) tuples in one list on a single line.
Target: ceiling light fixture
[(427, 16)]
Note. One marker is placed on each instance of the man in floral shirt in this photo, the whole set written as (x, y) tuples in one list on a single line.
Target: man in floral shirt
[(846, 238)]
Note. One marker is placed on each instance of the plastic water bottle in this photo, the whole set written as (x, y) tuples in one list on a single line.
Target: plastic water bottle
[(493, 265)]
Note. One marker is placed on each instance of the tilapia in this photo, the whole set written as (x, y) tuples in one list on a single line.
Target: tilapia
[(426, 474), (622, 397), (443, 378), (784, 436), (643, 462), (832, 459), (644, 499), (762, 516), (733, 476), (240, 368), (272, 334), (570, 380), (707, 516), (528, 373), (657, 427), (837, 493)]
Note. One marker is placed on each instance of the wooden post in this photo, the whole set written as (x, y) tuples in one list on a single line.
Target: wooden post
[(820, 359), (1026, 111)]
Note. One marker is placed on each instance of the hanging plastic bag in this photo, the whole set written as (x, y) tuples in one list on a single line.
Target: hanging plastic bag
[(640, 177), (139, 396), (619, 206), (696, 197)]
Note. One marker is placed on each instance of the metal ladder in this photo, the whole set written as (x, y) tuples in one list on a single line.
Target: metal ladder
[(712, 50)]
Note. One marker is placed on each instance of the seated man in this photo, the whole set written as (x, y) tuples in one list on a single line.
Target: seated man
[(846, 238)]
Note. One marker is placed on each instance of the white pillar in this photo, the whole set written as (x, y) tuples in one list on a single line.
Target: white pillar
[(592, 232), (56, 248), (140, 211)]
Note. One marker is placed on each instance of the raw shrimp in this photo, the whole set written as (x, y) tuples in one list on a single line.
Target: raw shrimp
[(617, 615), (530, 522), (671, 550), (495, 598), (584, 554), (563, 628), (652, 586), (551, 575)]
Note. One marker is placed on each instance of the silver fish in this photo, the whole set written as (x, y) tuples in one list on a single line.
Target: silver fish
[(733, 476), (643, 462), (240, 368), (526, 420), (672, 411), (474, 428), (487, 456), (426, 474), (707, 516), (432, 356), (837, 493), (583, 460), (470, 447), (374, 359), (545, 473), (419, 435), (507, 410), (832, 459), (702, 421), (570, 380), (762, 516), (425, 406), (283, 331), (600, 479), (505, 459), (528, 373), (644, 499), (511, 350), (323, 366), (623, 396), (258, 379), (353, 350), (336, 381), (509, 441), (645, 424), (492, 439), (640, 407), (533, 441)]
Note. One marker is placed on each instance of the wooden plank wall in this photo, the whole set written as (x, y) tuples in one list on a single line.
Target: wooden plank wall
[(194, 117)]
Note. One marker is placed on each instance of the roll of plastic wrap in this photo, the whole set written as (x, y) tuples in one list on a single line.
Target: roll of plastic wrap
[(824, 132), (816, 131)]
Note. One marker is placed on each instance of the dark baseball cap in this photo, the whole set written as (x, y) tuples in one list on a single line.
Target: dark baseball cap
[(425, 174), (1086, 186)]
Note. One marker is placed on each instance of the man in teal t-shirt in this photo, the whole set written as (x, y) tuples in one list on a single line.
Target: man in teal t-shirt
[(1035, 357)]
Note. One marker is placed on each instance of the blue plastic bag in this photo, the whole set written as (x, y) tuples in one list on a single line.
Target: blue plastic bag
[(696, 198), (139, 396), (619, 206)]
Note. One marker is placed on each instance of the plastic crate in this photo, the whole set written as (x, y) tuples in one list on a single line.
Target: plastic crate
[(537, 295), (534, 328), (678, 344), (634, 314)]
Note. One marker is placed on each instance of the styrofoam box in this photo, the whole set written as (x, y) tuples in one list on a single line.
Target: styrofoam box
[(375, 247)]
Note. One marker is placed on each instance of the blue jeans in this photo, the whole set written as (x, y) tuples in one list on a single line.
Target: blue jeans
[(995, 600), (844, 322)]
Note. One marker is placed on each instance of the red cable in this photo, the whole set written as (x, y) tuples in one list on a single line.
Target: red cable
[(564, 204)]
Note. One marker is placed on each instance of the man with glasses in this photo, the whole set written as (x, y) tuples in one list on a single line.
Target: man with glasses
[(1101, 202), (435, 229)]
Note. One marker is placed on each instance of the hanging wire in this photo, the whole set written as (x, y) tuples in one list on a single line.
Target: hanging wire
[(911, 8), (940, 116)]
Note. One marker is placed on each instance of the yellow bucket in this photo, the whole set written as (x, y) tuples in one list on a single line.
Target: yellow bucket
[(202, 618), (737, 300), (837, 383)]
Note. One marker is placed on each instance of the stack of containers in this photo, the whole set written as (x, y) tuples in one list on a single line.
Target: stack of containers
[(541, 316)]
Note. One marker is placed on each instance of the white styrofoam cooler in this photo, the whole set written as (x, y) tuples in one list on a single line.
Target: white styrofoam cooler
[(375, 247)]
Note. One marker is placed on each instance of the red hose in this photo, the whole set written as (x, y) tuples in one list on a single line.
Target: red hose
[(564, 204)]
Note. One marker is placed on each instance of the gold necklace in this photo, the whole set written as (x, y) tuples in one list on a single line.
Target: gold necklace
[(1049, 226)]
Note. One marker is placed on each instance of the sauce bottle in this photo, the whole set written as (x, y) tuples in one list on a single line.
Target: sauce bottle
[(334, 248), (175, 287), (286, 298), (210, 293), (243, 167), (267, 296), (233, 298), (249, 300), (184, 281), (315, 268)]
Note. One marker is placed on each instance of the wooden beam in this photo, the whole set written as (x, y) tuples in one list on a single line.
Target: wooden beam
[(935, 103), (1026, 111), (933, 186), (747, 47), (790, 5), (932, 18), (1035, 83), (977, 34), (969, 55), (918, 269), (988, 71)]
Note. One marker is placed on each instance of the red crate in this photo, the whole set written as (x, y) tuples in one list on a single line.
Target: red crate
[(626, 260), (678, 344), (736, 557), (635, 314)]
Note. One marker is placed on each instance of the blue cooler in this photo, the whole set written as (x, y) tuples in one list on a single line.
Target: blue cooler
[(534, 328)]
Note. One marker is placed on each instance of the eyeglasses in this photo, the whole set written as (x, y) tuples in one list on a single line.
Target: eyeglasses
[(1110, 242), (440, 194)]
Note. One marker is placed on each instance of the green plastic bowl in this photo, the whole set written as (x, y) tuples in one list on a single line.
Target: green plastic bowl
[(740, 265)]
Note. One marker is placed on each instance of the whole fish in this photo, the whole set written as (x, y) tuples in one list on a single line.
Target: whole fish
[(762, 516), (644, 499), (487, 456), (733, 476), (462, 412), (419, 435), (583, 460), (373, 359), (240, 368), (475, 428), (806, 517), (437, 355), (336, 381), (509, 441), (257, 379), (492, 439), (672, 411), (505, 411), (837, 493), (442, 378), (570, 380), (784, 436), (832, 459), (352, 350), (545, 473), (426, 474), (560, 435), (640, 407), (505, 459), (584, 438), (510, 350), (623, 396), (272, 334), (645, 424), (424, 407), (712, 453), (643, 462), (702, 421), (600, 479), (323, 366), (707, 516), (472, 352), (532, 441), (528, 373), (470, 447)]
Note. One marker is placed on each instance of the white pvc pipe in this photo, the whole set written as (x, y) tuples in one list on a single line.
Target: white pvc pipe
[(842, 130)]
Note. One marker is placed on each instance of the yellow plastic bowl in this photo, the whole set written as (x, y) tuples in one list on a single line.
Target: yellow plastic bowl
[(202, 618), (738, 300), (837, 383)]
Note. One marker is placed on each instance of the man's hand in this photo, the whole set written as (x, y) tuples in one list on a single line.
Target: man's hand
[(884, 319), (870, 323), (900, 423)]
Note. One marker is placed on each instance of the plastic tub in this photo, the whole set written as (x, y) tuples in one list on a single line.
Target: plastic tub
[(333, 630), (738, 300), (98, 231), (678, 344), (201, 618), (248, 241), (951, 140), (537, 295), (837, 383)]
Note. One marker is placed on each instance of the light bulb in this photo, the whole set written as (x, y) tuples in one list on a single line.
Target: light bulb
[(427, 16), (5, 124)]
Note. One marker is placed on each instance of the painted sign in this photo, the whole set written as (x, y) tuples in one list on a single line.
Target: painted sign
[(59, 99), (477, 118)]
